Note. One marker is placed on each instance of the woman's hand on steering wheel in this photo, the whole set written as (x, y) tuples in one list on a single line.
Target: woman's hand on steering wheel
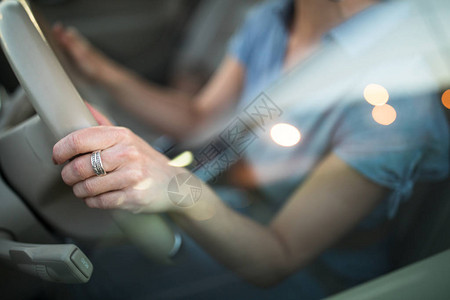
[(137, 175)]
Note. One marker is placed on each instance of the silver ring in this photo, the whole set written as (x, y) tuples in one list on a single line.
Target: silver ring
[(96, 162)]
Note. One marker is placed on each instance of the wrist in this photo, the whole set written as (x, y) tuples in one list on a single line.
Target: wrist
[(204, 209)]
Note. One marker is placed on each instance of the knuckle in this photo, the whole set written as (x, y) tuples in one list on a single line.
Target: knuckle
[(135, 175), (132, 152), (77, 167), (106, 201), (102, 201), (139, 198), (124, 133), (89, 188), (75, 142)]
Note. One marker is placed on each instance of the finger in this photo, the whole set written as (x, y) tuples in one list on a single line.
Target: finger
[(78, 44), (74, 35), (109, 200), (59, 32), (57, 29), (65, 36), (73, 42), (68, 40), (95, 186), (98, 116), (81, 168), (88, 140)]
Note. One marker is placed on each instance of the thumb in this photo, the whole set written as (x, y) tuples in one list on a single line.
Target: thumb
[(98, 116)]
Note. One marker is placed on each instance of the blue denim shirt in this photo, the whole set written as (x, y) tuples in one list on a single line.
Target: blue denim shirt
[(336, 119), (414, 148)]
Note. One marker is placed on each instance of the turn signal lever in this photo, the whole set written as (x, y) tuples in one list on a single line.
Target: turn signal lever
[(56, 263)]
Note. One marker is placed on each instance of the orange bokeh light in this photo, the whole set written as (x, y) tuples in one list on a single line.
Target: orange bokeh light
[(376, 94), (384, 115), (446, 99)]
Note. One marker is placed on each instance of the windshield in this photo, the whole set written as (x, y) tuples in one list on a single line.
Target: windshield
[(274, 150)]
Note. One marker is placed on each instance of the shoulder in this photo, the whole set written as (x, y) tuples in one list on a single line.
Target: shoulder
[(263, 15), (266, 8), (257, 32)]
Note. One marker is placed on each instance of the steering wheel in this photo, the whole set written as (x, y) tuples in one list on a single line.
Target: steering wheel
[(62, 111)]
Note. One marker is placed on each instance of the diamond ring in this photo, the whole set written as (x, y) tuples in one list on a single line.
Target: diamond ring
[(96, 162)]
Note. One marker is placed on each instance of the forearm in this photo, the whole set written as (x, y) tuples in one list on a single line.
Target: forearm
[(167, 110), (251, 250)]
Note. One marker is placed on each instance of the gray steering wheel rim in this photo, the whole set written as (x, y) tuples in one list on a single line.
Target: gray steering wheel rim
[(40, 73)]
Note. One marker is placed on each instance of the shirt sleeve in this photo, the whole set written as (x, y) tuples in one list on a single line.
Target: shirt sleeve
[(242, 42), (414, 148)]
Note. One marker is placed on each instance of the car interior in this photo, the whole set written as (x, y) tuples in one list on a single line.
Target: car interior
[(47, 235)]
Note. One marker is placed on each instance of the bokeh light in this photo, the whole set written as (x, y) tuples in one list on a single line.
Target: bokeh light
[(446, 99), (376, 95), (183, 160), (144, 185), (285, 135), (384, 115)]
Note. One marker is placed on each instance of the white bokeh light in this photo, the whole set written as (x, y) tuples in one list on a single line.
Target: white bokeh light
[(285, 135), (376, 94)]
